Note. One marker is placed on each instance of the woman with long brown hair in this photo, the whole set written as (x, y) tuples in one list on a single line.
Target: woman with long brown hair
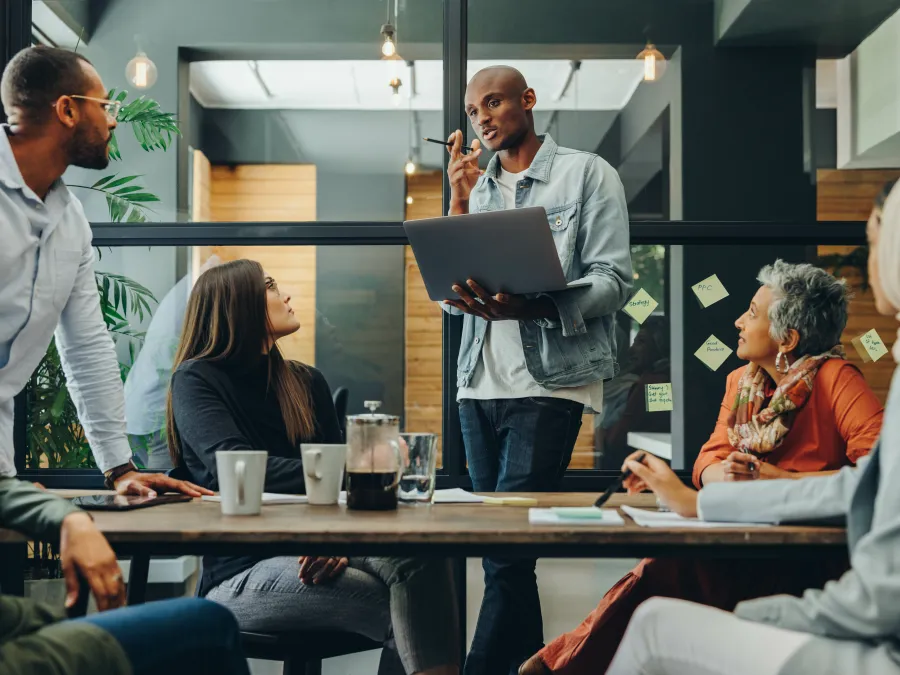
[(233, 390)]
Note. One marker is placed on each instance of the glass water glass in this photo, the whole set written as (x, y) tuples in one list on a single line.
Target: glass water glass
[(417, 475)]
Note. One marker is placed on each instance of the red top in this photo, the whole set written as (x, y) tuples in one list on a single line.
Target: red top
[(839, 424)]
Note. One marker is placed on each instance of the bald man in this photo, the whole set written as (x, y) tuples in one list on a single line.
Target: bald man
[(529, 366)]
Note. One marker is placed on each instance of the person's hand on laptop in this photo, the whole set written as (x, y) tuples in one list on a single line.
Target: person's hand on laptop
[(474, 300), (462, 171)]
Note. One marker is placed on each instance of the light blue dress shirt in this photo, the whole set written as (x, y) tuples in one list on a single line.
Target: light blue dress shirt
[(47, 287)]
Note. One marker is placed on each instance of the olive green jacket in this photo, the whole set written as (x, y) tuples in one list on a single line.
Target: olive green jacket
[(34, 638)]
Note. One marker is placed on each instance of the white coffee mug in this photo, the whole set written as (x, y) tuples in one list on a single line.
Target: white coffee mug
[(323, 471), (242, 476)]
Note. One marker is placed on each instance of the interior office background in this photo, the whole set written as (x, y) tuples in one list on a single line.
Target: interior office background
[(780, 117)]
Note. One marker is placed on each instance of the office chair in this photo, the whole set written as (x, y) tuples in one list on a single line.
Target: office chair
[(340, 397)]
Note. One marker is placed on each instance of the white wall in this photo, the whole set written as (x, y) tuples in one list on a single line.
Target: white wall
[(868, 83)]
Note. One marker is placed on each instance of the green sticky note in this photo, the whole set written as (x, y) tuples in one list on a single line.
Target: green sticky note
[(709, 291), (579, 512), (870, 346), (658, 397), (640, 306), (713, 352)]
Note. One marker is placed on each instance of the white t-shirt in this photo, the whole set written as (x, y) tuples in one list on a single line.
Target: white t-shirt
[(501, 371)]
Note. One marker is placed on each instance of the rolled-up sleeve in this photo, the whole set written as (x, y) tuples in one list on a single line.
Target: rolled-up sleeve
[(603, 246), (88, 358)]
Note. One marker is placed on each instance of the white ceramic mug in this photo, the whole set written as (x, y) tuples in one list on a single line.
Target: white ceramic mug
[(242, 475), (323, 471)]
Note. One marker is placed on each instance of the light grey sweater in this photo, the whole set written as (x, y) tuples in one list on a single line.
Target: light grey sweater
[(862, 608)]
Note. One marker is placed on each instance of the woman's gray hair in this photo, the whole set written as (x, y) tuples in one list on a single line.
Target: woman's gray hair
[(809, 300)]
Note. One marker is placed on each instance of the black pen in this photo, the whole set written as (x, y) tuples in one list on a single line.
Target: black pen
[(464, 148), (615, 487)]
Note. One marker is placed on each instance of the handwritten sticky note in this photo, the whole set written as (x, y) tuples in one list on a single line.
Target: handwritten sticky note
[(709, 291), (640, 306), (659, 397), (870, 346), (713, 352)]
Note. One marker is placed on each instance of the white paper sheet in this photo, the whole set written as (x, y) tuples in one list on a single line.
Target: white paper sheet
[(456, 496), (646, 518), (277, 498), (554, 517)]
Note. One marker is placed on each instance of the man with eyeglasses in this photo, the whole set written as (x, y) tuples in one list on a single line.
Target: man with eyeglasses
[(59, 116)]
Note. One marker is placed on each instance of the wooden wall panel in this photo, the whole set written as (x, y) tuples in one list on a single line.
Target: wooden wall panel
[(848, 195), (423, 331), (201, 189), (272, 193)]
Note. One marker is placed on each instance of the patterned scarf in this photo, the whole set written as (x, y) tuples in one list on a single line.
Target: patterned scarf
[(758, 423)]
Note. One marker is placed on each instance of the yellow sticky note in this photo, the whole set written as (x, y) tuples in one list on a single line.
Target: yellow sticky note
[(709, 291), (870, 346), (640, 306), (713, 352), (658, 396)]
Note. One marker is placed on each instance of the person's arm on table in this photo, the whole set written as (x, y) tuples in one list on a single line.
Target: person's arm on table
[(88, 358), (206, 425), (773, 501), (83, 550)]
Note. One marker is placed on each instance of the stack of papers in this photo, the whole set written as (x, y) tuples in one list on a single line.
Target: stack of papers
[(460, 496), (646, 518), (587, 515)]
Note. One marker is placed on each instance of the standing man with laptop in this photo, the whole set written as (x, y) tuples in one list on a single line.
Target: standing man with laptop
[(528, 366), (59, 117)]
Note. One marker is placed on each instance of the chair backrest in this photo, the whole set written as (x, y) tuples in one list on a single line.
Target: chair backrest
[(340, 397)]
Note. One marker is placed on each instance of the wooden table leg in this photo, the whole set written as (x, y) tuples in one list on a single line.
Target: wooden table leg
[(12, 568), (137, 578)]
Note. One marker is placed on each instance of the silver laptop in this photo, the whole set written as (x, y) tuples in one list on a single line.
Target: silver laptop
[(504, 251)]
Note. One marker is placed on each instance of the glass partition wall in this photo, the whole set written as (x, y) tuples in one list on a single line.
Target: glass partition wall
[(299, 144)]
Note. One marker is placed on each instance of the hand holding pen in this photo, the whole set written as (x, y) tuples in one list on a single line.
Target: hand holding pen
[(741, 466)]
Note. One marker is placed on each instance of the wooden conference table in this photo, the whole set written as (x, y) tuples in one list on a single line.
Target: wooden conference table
[(446, 530)]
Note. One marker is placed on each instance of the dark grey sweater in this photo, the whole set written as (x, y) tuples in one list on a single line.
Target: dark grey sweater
[(219, 408)]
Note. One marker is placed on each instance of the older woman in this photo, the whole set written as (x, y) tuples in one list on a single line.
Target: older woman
[(853, 624), (797, 409)]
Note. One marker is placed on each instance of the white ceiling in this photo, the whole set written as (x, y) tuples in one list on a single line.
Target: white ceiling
[(601, 84)]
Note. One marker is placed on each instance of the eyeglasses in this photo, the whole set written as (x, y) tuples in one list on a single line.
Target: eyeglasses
[(111, 108)]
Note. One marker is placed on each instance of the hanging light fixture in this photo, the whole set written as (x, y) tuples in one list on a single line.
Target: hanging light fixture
[(141, 71), (389, 33), (409, 199), (410, 167), (388, 47), (654, 62), (395, 85)]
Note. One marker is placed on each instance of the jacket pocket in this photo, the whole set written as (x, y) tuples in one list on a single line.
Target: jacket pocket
[(561, 217)]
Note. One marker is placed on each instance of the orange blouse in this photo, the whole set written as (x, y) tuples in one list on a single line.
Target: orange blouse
[(839, 424)]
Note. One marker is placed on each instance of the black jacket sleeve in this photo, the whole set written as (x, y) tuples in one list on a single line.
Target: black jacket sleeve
[(205, 424)]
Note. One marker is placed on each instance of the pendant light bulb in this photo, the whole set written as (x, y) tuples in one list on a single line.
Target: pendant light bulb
[(388, 46), (654, 63), (409, 199), (410, 167), (141, 71)]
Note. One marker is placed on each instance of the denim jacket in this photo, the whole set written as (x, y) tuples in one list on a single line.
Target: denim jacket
[(588, 216)]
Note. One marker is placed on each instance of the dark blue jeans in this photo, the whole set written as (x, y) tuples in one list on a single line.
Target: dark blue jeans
[(177, 637), (514, 445)]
